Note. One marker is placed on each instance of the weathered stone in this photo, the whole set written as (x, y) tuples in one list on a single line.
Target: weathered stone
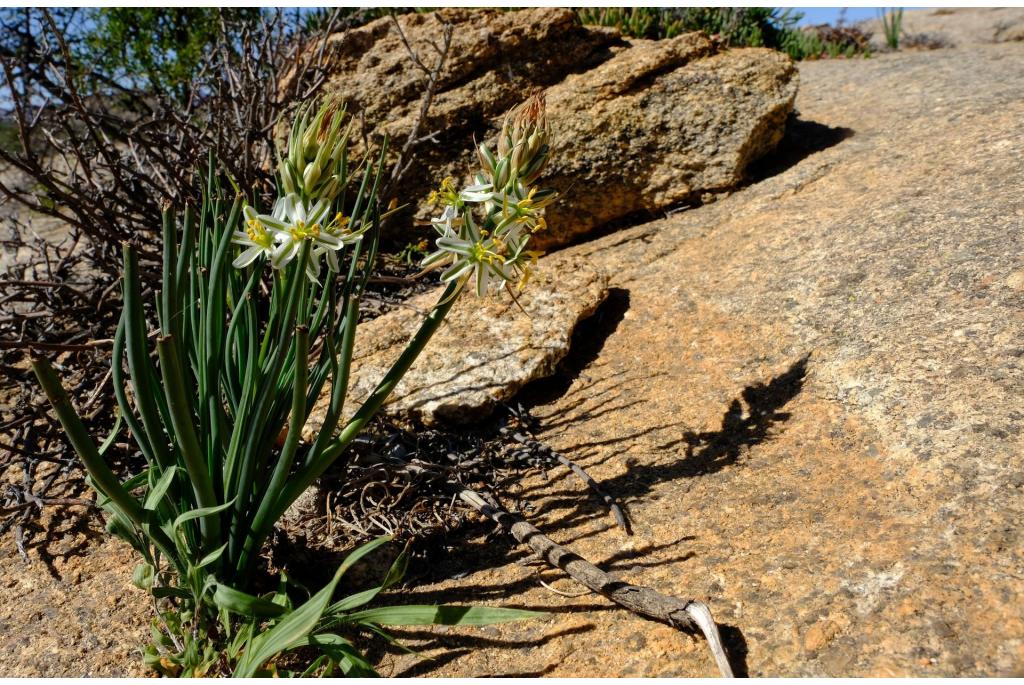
[(961, 26), (659, 124), (486, 350), (638, 125), (857, 513), (495, 57)]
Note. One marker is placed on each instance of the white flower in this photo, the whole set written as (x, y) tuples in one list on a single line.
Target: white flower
[(293, 223), (481, 192), (256, 239), (448, 196), (471, 255), (339, 228), (281, 234)]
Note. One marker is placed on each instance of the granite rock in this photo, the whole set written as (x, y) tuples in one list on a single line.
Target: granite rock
[(638, 126), (956, 26), (661, 124), (809, 397)]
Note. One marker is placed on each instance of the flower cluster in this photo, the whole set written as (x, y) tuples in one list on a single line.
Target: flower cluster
[(311, 176), (484, 229), (314, 166)]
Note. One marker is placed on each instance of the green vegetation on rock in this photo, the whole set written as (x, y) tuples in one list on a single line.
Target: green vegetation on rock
[(769, 27)]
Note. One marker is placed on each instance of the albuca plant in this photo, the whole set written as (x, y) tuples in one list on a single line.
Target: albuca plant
[(242, 353)]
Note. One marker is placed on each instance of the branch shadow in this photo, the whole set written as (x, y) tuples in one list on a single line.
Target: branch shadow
[(711, 451), (50, 541)]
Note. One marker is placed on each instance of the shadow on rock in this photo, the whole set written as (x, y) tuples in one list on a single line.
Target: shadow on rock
[(587, 342), (711, 451), (735, 648), (68, 534), (801, 140), (457, 645)]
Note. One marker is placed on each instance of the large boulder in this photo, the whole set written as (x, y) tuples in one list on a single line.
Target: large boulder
[(639, 126), (808, 395)]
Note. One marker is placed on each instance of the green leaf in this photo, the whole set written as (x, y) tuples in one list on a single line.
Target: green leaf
[(105, 445), (142, 576), (243, 603), (199, 513), (398, 569), (212, 556), (342, 651), (160, 489), (361, 552), (168, 591), (416, 615), (354, 601), (395, 574), (297, 626)]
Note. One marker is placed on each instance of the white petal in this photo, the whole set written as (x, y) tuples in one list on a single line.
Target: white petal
[(327, 240), (287, 210), (317, 212), (456, 270), (435, 257), (270, 223), (313, 268), (247, 257), (481, 281), (455, 245), (283, 254)]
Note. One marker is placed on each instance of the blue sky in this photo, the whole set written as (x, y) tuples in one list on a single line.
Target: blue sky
[(829, 15)]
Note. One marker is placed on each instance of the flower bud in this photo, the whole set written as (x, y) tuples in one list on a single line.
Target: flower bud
[(517, 157), (310, 137), (329, 190), (310, 176), (315, 146), (535, 166), (487, 160), (287, 181), (542, 198), (501, 172), (526, 121)]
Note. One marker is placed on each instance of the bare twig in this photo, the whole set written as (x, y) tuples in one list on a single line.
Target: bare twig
[(404, 160), (53, 347)]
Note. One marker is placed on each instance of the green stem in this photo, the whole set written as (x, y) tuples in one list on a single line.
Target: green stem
[(291, 444), (100, 474), (308, 474), (139, 364), (184, 432)]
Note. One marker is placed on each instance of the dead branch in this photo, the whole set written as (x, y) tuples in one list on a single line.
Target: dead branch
[(688, 615)]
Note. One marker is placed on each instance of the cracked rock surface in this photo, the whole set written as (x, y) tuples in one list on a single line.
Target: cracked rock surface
[(486, 350)]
